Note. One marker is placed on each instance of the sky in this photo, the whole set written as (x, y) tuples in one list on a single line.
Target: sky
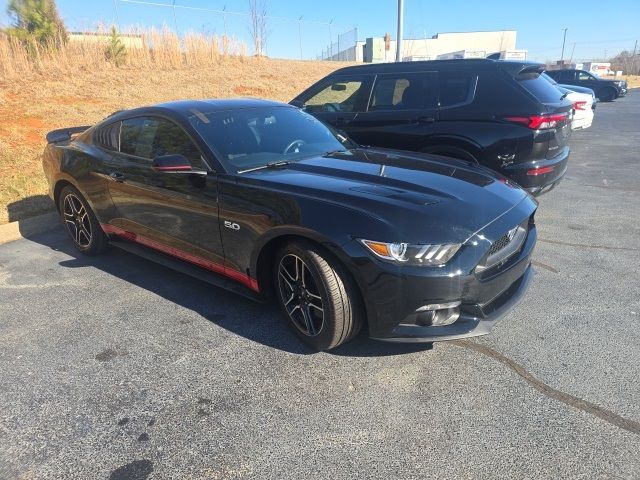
[(303, 28)]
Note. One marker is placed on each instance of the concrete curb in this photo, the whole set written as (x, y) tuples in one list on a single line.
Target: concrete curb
[(29, 226)]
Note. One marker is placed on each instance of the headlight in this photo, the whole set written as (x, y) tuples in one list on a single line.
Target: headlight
[(412, 254)]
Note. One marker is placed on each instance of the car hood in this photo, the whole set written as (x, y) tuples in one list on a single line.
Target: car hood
[(420, 196)]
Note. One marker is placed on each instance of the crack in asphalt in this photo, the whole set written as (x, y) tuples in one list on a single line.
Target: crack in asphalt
[(550, 392), (583, 245), (608, 187), (545, 266)]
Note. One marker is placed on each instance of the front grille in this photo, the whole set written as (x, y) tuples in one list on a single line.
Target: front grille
[(500, 243), (506, 246)]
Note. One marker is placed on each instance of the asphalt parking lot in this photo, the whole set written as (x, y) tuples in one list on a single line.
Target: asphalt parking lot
[(114, 367)]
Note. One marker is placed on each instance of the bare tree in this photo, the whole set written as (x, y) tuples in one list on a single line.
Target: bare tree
[(258, 25)]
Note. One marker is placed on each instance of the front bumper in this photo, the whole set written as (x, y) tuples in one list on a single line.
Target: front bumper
[(393, 294), (475, 320)]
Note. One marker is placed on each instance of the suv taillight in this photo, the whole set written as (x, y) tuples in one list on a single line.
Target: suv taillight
[(538, 122), (579, 105)]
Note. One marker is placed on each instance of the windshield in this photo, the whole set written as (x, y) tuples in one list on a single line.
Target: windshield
[(252, 137)]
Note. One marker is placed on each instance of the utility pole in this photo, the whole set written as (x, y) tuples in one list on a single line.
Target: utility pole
[(175, 21), (330, 40), (573, 49), (564, 38), (115, 10), (224, 19), (399, 35), (633, 59), (300, 34)]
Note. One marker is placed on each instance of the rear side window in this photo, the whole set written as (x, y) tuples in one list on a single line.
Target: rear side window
[(456, 88), (537, 86), (404, 91), (339, 95)]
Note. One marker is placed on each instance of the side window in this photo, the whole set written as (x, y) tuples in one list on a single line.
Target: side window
[(136, 136), (584, 76), (149, 137), (567, 76), (171, 139), (404, 91), (108, 136), (340, 95), (456, 88)]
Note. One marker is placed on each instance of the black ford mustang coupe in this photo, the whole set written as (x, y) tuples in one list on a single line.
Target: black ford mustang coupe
[(263, 198)]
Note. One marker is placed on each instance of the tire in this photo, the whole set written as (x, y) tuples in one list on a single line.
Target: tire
[(607, 95), (80, 222), (317, 295)]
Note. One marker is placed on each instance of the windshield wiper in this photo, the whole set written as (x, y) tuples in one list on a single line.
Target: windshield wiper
[(564, 95), (280, 163)]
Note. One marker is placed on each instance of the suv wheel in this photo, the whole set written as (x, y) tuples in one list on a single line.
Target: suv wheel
[(607, 95), (80, 222), (317, 295)]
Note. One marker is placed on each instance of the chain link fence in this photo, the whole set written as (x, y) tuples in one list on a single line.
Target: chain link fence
[(344, 49)]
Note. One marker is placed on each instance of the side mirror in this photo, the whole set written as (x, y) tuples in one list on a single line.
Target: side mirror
[(171, 163)]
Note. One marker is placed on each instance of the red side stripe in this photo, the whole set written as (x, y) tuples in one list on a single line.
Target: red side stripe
[(240, 277)]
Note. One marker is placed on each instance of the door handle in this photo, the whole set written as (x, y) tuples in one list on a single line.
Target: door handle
[(426, 119), (117, 176)]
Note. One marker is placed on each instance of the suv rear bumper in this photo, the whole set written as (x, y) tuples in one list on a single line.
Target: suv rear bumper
[(536, 184)]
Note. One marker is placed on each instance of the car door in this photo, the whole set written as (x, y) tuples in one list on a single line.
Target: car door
[(172, 211), (402, 112), (337, 100), (585, 79)]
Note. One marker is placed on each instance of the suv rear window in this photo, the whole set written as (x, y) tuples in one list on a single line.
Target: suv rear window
[(536, 85)]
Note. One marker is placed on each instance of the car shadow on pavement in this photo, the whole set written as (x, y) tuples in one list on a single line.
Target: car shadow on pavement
[(29, 207), (261, 323)]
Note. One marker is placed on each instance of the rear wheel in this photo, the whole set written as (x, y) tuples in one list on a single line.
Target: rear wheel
[(317, 295), (80, 222), (607, 95)]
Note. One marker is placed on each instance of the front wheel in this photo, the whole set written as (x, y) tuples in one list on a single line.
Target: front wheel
[(80, 222), (317, 295), (608, 95)]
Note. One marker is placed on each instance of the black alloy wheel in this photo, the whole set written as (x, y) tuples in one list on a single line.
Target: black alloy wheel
[(80, 222), (76, 220), (317, 294), (300, 295)]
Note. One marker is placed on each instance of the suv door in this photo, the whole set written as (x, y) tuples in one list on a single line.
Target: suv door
[(336, 100), (585, 79), (176, 212), (401, 114)]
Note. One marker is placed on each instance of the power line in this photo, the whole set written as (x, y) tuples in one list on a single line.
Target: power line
[(224, 11)]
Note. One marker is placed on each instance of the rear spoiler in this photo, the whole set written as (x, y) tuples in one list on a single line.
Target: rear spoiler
[(65, 134)]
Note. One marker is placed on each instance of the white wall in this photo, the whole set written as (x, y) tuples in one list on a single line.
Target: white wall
[(430, 48)]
